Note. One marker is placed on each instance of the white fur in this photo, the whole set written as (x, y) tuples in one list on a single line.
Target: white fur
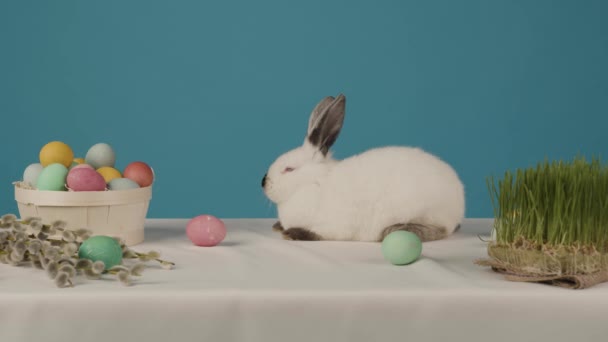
[(358, 197)]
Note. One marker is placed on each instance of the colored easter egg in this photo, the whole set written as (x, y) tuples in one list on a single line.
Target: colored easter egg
[(31, 173), (122, 184), (401, 247), (206, 230), (139, 172), (85, 179), (109, 173), (56, 152), (100, 155), (81, 166), (101, 248), (79, 160), (52, 178)]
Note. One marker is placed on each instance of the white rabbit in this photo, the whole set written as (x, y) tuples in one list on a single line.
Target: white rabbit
[(364, 197)]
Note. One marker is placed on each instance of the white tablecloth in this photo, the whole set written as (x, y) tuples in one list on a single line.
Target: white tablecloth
[(257, 287)]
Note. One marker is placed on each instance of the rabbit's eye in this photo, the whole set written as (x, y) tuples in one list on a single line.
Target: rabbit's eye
[(288, 169)]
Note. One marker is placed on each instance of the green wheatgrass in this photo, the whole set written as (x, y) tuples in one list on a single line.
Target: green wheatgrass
[(553, 204)]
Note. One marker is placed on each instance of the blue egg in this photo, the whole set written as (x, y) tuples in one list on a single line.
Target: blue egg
[(401, 247), (122, 184), (100, 155)]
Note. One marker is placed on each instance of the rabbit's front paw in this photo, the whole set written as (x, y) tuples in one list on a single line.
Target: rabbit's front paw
[(300, 234)]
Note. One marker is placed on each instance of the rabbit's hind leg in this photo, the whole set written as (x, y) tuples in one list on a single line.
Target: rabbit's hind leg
[(300, 234), (424, 231), (278, 227), (295, 233)]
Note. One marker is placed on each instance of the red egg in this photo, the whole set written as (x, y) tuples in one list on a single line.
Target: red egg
[(85, 179), (140, 173)]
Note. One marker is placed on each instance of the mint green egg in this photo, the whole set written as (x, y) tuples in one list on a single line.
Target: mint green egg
[(52, 178), (401, 247), (101, 248)]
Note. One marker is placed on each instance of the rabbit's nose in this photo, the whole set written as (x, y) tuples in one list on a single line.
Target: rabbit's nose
[(264, 180)]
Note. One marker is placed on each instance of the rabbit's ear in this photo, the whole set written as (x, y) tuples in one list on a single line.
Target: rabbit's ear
[(319, 110), (328, 123)]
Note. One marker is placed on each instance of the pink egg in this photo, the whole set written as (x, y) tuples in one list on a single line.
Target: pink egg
[(206, 230), (82, 166), (85, 179)]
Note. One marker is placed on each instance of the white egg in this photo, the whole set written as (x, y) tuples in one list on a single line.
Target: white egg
[(100, 155), (31, 173)]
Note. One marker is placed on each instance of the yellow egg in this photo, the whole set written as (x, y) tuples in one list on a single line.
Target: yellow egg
[(79, 160), (56, 152), (109, 173)]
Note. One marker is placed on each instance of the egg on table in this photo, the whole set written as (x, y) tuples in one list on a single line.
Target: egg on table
[(101, 248), (206, 230), (401, 247)]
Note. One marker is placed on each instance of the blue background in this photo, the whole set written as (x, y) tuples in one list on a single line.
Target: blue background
[(210, 92)]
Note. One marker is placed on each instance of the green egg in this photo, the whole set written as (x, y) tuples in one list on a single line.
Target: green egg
[(401, 247), (101, 248), (52, 178)]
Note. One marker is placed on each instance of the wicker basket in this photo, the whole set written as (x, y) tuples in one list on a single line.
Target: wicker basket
[(113, 213)]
